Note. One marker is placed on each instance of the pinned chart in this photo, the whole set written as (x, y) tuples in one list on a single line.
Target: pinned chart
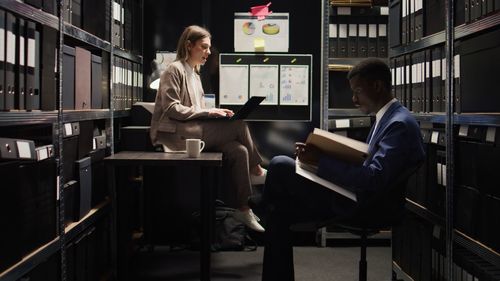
[(284, 80)]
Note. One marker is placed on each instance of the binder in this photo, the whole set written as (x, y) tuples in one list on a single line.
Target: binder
[(382, 40), (434, 16), (68, 78), (96, 81), (404, 22), (460, 12), (419, 19), (428, 81), (411, 18), (443, 81), (362, 40), (50, 6), (342, 48), (400, 79), (332, 40), (436, 79), (32, 67), (82, 79), (490, 6), (352, 44), (466, 11), (48, 92), (76, 13), (372, 40), (96, 18), (408, 83), (105, 77), (2, 60), (127, 25), (34, 3), (395, 17), (10, 60), (67, 10), (70, 152), (392, 65), (456, 80), (21, 64), (117, 24)]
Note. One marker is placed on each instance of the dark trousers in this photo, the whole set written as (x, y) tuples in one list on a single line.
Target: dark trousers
[(290, 199)]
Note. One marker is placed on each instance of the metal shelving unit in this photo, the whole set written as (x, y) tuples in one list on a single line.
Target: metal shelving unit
[(127, 55), (424, 213), (74, 35), (477, 248), (30, 261), (31, 13), (401, 275)]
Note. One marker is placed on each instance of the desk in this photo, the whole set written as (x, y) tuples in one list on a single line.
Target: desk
[(209, 163)]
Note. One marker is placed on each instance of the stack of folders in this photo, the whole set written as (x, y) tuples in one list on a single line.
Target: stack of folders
[(358, 32), (127, 83)]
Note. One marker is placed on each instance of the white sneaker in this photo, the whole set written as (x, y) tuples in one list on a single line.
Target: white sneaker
[(249, 219), (258, 180)]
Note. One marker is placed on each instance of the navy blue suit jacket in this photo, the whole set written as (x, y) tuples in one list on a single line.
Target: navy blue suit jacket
[(395, 148)]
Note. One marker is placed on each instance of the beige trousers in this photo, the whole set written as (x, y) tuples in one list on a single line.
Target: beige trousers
[(233, 139)]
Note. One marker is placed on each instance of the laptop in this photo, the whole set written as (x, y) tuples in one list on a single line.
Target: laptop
[(246, 109)]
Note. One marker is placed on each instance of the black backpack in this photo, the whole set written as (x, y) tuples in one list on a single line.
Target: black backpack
[(230, 234)]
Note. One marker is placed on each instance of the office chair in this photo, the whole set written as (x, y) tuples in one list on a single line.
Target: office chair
[(370, 218)]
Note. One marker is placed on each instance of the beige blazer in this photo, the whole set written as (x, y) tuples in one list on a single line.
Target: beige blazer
[(174, 117)]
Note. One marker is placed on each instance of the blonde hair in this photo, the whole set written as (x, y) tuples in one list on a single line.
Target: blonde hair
[(191, 34)]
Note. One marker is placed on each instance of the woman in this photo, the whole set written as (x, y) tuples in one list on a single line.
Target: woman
[(180, 114)]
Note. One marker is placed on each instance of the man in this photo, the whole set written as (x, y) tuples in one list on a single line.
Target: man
[(395, 146)]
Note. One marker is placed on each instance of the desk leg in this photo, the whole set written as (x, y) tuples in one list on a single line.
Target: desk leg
[(208, 184)]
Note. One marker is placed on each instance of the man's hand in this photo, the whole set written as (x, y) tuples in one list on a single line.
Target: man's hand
[(220, 112), (307, 153)]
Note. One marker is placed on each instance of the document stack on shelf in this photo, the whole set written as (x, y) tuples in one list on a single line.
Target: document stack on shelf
[(338, 146)]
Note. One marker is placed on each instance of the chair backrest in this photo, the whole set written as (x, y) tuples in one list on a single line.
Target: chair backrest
[(385, 207)]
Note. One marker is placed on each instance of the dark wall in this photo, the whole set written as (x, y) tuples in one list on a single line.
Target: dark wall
[(165, 20)]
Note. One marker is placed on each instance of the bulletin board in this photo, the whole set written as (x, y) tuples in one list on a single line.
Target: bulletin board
[(284, 79)]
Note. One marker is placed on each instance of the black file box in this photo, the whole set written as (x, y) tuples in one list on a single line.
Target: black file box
[(69, 190), (434, 16), (70, 155), (8, 149), (466, 164), (11, 221), (84, 194), (96, 18), (68, 77), (480, 57), (487, 167), (32, 90), (99, 177), (489, 228), (48, 90), (136, 138), (86, 138), (466, 209)]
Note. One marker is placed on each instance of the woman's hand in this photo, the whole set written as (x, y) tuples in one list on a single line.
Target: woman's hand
[(220, 112), (307, 153)]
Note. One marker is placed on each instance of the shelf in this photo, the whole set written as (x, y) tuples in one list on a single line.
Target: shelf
[(86, 37), (73, 229), (127, 55), (31, 13), (423, 212), (400, 274), (477, 248), (121, 113), (84, 115), (483, 119), (345, 112), (477, 26), (426, 42), (438, 117), (30, 261), (21, 117)]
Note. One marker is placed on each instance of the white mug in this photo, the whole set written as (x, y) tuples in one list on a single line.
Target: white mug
[(194, 147)]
